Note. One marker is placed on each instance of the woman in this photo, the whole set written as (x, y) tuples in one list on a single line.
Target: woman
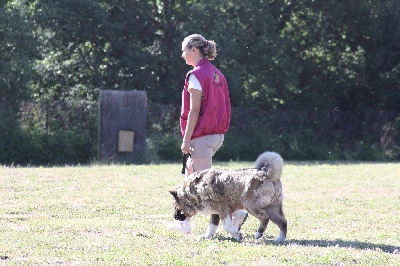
[(205, 111)]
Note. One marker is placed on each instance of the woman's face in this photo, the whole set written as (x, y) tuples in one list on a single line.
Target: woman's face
[(189, 54)]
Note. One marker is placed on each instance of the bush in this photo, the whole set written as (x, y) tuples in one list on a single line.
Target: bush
[(368, 136), (306, 135), (35, 147)]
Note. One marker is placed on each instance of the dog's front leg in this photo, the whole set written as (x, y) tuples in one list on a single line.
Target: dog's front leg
[(228, 226), (212, 227)]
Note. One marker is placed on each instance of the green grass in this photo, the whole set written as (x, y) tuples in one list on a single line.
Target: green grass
[(338, 214)]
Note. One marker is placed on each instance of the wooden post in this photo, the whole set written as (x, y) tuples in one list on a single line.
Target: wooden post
[(122, 122)]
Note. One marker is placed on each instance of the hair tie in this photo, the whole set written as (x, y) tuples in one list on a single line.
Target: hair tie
[(206, 43)]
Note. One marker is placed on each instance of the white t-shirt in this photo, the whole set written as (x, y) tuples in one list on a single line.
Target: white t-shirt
[(194, 83)]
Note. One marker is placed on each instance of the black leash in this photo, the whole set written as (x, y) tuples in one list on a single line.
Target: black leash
[(185, 157)]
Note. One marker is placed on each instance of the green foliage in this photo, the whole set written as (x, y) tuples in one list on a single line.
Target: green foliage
[(35, 147), (16, 53), (276, 55), (314, 135), (345, 63), (165, 147)]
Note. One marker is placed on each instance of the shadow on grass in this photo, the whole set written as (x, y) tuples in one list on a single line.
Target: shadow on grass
[(322, 243), (342, 244)]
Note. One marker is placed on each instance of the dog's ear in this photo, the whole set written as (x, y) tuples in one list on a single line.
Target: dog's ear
[(175, 195)]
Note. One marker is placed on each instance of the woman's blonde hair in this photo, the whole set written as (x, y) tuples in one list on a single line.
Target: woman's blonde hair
[(206, 47)]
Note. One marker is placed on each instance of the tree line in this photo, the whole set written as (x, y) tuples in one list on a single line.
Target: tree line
[(302, 55)]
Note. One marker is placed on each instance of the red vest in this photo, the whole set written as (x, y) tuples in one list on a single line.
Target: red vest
[(215, 110)]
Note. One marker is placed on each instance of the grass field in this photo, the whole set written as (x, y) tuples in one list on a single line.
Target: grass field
[(338, 214)]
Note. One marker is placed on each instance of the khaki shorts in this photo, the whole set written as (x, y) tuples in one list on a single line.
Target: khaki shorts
[(206, 146)]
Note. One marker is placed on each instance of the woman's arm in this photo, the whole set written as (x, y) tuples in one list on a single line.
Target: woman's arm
[(193, 116)]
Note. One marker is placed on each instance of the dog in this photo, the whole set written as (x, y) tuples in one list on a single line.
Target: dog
[(222, 192)]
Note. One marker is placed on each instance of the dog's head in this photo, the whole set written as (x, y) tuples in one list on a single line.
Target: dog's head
[(178, 213)]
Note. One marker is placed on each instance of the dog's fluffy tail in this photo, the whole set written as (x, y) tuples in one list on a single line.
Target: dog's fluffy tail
[(271, 163)]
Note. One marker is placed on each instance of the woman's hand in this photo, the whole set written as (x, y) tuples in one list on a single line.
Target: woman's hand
[(185, 147)]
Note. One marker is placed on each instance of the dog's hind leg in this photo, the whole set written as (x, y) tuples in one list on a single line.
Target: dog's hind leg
[(212, 227), (261, 229), (277, 216)]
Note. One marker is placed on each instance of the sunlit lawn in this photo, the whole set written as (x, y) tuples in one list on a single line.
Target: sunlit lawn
[(338, 214)]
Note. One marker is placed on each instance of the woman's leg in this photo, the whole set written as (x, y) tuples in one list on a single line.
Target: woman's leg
[(198, 164)]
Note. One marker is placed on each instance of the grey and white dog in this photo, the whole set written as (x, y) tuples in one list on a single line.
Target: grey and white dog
[(222, 192)]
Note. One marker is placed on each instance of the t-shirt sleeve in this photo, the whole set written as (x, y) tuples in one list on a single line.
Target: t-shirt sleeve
[(194, 83)]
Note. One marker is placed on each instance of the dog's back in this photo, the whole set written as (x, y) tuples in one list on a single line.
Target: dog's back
[(231, 186)]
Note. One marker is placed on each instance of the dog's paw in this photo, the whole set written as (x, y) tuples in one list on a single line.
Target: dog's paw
[(281, 238), (239, 237), (258, 235)]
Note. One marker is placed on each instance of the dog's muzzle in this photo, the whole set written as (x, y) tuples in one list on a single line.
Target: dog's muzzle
[(178, 214)]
